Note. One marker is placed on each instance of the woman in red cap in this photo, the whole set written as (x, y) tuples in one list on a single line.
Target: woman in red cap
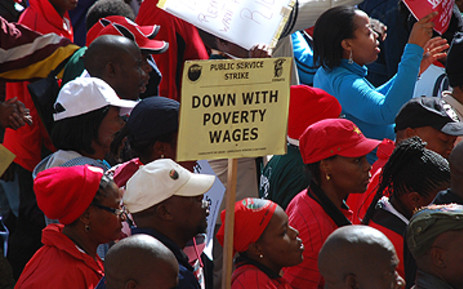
[(88, 206), (265, 243), (334, 151)]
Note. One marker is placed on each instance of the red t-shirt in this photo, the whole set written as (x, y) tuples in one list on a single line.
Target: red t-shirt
[(314, 226)]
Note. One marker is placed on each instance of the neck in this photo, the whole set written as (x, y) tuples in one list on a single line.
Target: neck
[(81, 239), (400, 207), (167, 230), (334, 196)]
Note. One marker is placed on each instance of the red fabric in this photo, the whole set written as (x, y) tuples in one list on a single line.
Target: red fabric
[(314, 226), (64, 193), (398, 242), (26, 142), (251, 218), (250, 277), (125, 171), (359, 203), (172, 29), (59, 264), (308, 105)]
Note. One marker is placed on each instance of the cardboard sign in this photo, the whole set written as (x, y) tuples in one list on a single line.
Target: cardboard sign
[(234, 108), (421, 8), (215, 197), (243, 22), (6, 158)]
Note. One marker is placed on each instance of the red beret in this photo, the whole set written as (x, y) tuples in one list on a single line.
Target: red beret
[(330, 137), (251, 218), (64, 193), (308, 105)]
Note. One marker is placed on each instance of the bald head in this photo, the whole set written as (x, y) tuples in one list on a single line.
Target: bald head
[(141, 261), (118, 61), (346, 258)]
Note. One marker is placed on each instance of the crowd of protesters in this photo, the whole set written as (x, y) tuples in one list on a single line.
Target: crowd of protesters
[(368, 195)]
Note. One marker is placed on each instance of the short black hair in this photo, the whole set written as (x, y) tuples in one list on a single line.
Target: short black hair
[(77, 133), (331, 28), (105, 8)]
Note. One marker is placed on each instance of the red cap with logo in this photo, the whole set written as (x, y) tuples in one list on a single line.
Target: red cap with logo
[(331, 137)]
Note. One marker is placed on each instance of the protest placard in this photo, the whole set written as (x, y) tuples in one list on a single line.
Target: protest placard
[(421, 8), (243, 22), (233, 108)]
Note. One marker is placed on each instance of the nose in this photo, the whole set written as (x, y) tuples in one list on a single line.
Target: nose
[(294, 231), (366, 164), (147, 66)]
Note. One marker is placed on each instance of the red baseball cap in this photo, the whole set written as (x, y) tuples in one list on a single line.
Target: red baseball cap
[(251, 218), (64, 193), (308, 105), (331, 137), (122, 26)]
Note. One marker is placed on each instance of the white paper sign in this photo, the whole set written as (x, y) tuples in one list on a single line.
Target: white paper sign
[(215, 196), (243, 22)]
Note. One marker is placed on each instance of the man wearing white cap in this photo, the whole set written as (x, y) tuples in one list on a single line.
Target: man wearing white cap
[(166, 202)]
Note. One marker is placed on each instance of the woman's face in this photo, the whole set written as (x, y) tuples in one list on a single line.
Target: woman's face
[(110, 125), (279, 243), (348, 175), (364, 45), (105, 225)]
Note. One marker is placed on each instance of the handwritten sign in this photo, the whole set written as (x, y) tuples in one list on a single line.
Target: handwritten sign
[(243, 22), (421, 8), (233, 108)]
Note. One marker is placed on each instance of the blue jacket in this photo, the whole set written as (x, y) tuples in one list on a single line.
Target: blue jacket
[(372, 109)]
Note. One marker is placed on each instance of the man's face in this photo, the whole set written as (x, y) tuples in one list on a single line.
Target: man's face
[(190, 214), (383, 275), (452, 257), (436, 140), (131, 79)]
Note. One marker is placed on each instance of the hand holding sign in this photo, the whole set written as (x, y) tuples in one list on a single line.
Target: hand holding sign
[(420, 8), (422, 30)]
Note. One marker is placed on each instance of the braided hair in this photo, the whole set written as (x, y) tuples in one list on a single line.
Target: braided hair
[(411, 168)]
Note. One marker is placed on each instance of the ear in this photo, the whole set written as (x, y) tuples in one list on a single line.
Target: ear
[(350, 281), (325, 167), (163, 211), (414, 200), (131, 284), (437, 257), (345, 44), (162, 149), (85, 217), (254, 250), (111, 70), (409, 132)]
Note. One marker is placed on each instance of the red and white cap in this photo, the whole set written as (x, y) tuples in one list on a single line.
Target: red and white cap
[(122, 26)]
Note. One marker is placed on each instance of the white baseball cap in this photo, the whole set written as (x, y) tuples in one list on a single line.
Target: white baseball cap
[(160, 180), (86, 94)]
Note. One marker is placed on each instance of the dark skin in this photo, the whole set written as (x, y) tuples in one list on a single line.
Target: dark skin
[(89, 240)]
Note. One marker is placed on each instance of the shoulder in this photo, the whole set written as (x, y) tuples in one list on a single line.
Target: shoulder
[(250, 277)]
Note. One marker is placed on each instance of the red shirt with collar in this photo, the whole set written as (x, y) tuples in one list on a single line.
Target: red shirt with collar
[(26, 142), (60, 264), (314, 226)]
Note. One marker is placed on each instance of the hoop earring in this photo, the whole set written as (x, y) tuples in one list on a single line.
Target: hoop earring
[(350, 61)]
